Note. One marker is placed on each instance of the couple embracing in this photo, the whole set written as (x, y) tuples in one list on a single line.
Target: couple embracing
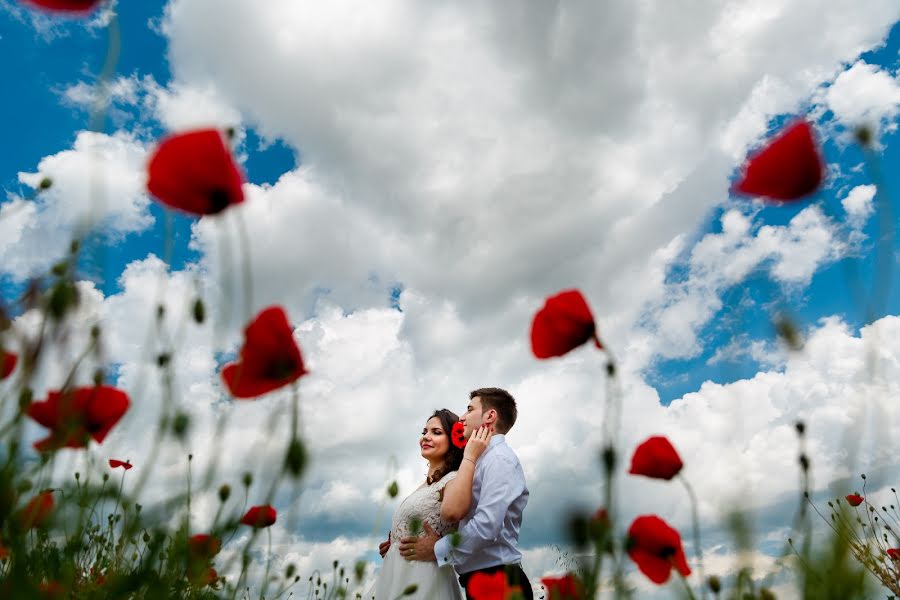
[(478, 490)]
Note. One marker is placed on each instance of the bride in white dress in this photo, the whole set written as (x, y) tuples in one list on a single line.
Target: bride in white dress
[(421, 507)]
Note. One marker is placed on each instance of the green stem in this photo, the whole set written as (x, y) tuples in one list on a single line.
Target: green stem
[(696, 522)]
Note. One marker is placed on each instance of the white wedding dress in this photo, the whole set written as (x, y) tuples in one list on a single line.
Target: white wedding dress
[(397, 573)]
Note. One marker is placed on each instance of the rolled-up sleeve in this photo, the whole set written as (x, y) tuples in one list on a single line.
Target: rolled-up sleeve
[(502, 483)]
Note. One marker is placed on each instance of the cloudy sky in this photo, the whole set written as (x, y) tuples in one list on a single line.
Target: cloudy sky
[(420, 176)]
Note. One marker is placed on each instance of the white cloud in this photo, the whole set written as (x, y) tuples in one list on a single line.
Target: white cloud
[(858, 203), (98, 183), (864, 94)]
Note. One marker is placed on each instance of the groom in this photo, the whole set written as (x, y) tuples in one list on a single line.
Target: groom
[(489, 533)]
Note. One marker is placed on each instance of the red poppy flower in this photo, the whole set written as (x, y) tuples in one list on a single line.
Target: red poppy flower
[(37, 511), (77, 415), (789, 167), (204, 546), (8, 362), (493, 586), (656, 548), (194, 172), (259, 516), (118, 463), (564, 323), (656, 458), (894, 553), (71, 6), (458, 435), (854, 499), (269, 359), (52, 590), (4, 552), (563, 588)]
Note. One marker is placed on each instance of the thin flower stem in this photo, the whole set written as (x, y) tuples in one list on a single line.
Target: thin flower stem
[(687, 586), (696, 522), (265, 585)]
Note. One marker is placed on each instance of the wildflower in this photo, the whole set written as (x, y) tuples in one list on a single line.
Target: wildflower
[(789, 167), (854, 499), (76, 415), (893, 553), (564, 323), (494, 586), (458, 435), (566, 587), (37, 511), (656, 458), (113, 463), (269, 358), (8, 362), (260, 516), (656, 548), (204, 546), (194, 172)]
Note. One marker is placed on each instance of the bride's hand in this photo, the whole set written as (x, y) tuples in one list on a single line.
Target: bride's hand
[(478, 442), (383, 547)]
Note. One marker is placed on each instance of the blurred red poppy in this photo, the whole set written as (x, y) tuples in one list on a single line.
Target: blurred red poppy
[(656, 548), (854, 499), (566, 587), (894, 553), (71, 6), (564, 323), (788, 167), (204, 546), (269, 359), (8, 362), (490, 586), (458, 435), (194, 172), (118, 463), (37, 511), (260, 516), (656, 458), (76, 415)]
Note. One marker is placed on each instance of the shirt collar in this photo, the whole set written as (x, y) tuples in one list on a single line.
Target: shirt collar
[(497, 438)]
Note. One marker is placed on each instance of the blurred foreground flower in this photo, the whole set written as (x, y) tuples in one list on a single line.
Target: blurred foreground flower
[(564, 323), (70, 6), (493, 586), (37, 511), (458, 435), (270, 358), (113, 463), (656, 548), (789, 167), (194, 172), (76, 415), (8, 362), (565, 587), (656, 458), (260, 516)]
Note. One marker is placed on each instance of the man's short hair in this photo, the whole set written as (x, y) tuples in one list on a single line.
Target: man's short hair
[(501, 401)]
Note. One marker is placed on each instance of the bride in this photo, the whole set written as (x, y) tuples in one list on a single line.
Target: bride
[(446, 484)]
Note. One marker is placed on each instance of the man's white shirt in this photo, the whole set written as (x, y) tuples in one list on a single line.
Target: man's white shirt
[(490, 532)]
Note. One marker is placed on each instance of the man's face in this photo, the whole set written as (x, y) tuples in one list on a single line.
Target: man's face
[(474, 417)]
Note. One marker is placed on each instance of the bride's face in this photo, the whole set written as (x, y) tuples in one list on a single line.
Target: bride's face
[(434, 441)]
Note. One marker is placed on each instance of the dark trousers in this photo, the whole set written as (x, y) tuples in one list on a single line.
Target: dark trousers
[(514, 575)]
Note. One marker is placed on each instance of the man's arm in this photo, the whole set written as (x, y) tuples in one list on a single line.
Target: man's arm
[(502, 482)]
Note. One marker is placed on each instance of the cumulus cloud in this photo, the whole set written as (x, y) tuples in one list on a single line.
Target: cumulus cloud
[(864, 94), (97, 183)]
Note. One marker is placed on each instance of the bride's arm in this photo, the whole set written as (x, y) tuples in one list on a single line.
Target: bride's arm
[(458, 493)]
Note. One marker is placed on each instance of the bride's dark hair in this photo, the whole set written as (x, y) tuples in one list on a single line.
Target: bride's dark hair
[(454, 455)]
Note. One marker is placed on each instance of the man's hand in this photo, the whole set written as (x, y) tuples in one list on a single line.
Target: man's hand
[(383, 547), (420, 548)]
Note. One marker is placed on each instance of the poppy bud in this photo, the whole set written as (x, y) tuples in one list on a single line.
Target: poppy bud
[(296, 457), (609, 459), (415, 525), (291, 569), (199, 311), (138, 507), (359, 570), (804, 462), (146, 537), (801, 427), (224, 492), (715, 584), (766, 594), (180, 425), (160, 312), (578, 530), (74, 247), (247, 479), (98, 377), (863, 136), (45, 184), (611, 369), (77, 475), (863, 476), (410, 589), (393, 489), (106, 477), (60, 268), (163, 360)]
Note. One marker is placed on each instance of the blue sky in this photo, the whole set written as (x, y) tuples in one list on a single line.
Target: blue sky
[(412, 210)]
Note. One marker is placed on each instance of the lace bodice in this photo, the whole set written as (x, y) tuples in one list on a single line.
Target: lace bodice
[(423, 504)]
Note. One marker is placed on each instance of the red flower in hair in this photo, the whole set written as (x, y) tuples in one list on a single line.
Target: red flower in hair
[(194, 172), (789, 167), (458, 435), (118, 463), (484, 586), (566, 587), (37, 511), (656, 458), (656, 548), (8, 362), (564, 323), (71, 6), (854, 499), (260, 516), (269, 359), (76, 415), (893, 553), (203, 546)]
